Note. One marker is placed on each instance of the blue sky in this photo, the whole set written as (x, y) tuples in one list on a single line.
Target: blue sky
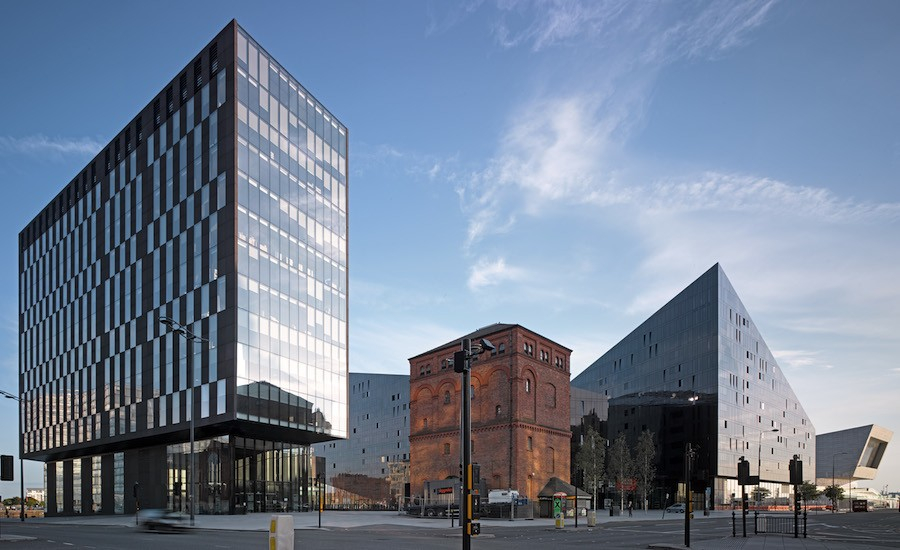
[(566, 166)]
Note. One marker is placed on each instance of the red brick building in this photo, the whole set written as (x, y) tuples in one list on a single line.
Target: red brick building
[(520, 411)]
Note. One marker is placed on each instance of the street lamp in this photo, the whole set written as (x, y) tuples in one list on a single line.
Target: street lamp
[(189, 336), (759, 465), (833, 489), (21, 450)]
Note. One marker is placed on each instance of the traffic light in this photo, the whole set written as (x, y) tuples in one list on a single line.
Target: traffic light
[(743, 472), (6, 468), (796, 470), (459, 361)]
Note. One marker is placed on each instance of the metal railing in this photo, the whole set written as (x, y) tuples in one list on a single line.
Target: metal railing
[(774, 524)]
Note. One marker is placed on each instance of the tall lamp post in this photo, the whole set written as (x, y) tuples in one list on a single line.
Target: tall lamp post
[(18, 400), (833, 489), (190, 337), (759, 464)]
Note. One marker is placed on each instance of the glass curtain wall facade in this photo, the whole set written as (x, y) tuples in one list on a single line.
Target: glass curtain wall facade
[(292, 249), (698, 373), (173, 219)]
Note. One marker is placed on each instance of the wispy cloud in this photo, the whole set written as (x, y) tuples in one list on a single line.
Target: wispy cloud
[(743, 193), (667, 30), (800, 359), (49, 146), (541, 25), (569, 148), (493, 272)]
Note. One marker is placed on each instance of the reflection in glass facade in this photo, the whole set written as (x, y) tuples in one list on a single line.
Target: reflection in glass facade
[(697, 372), (222, 205), (370, 469)]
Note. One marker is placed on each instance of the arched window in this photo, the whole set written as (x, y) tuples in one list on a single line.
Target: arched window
[(446, 448), (501, 348), (446, 398), (497, 411), (527, 385)]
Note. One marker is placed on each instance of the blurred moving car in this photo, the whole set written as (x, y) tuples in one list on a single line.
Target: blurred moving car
[(676, 508), (154, 519)]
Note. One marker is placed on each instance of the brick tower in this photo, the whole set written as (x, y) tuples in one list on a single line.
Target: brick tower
[(520, 411)]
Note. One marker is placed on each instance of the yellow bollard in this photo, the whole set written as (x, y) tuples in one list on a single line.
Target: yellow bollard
[(281, 532)]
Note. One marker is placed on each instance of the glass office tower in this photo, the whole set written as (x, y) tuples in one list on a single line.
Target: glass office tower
[(697, 373), (223, 206)]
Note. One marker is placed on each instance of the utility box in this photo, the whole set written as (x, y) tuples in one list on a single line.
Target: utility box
[(281, 532)]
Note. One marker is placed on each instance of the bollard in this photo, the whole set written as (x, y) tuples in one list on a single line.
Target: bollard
[(560, 521), (592, 518), (281, 532), (733, 525)]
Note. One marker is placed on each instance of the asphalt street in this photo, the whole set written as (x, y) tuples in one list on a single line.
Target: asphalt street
[(876, 530)]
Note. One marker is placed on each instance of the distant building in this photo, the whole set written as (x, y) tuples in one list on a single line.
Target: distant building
[(39, 495), (697, 372), (520, 411), (222, 205), (850, 455), (371, 467)]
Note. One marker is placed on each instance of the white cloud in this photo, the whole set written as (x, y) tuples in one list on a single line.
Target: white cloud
[(43, 145), (493, 272), (800, 359)]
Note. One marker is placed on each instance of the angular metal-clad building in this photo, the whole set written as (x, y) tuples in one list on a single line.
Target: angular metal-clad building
[(222, 207), (849, 455), (698, 374)]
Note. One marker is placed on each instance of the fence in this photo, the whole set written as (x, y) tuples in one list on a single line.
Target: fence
[(773, 524)]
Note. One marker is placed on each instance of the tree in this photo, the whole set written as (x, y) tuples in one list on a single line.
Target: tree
[(590, 460), (620, 465), (760, 494), (645, 464), (834, 493), (808, 491)]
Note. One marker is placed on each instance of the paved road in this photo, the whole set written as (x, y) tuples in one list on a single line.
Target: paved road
[(362, 530)]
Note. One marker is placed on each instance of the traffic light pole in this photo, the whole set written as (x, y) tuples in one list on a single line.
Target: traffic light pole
[(469, 502), (689, 504), (465, 430)]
